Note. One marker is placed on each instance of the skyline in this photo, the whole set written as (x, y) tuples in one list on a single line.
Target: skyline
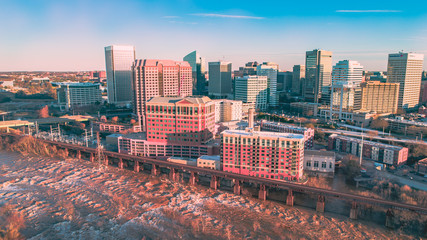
[(71, 36)]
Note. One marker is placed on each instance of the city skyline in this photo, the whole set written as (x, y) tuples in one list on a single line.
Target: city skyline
[(58, 36)]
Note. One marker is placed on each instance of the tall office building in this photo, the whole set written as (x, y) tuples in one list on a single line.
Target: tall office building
[(118, 62), (406, 69), (379, 97), (298, 79), (345, 90), (220, 82), (154, 78), (248, 69), (198, 67), (252, 89), (270, 70), (318, 70)]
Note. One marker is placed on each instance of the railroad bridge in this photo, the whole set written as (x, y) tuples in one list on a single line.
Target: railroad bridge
[(175, 170)]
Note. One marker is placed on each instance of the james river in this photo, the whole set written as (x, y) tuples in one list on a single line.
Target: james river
[(71, 199)]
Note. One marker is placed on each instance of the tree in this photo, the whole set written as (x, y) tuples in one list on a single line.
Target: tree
[(132, 121), (44, 112), (351, 169), (82, 126), (379, 124), (115, 119)]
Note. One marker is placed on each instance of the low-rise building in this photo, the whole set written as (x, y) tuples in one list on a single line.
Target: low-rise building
[(380, 152), (308, 133), (397, 124), (77, 94), (269, 155), (319, 163), (115, 127), (305, 108), (180, 160), (212, 162), (422, 167)]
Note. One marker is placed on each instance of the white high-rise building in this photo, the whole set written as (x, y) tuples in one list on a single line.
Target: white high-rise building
[(118, 61), (252, 89), (345, 90), (406, 69), (270, 70)]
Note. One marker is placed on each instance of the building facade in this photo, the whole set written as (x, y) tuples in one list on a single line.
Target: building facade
[(318, 71), (176, 120), (198, 67), (252, 89), (379, 97), (154, 78), (308, 133), (406, 69), (220, 82), (211, 162), (345, 89), (270, 70), (118, 63), (77, 94), (319, 163), (298, 78), (270, 155), (379, 152), (228, 110)]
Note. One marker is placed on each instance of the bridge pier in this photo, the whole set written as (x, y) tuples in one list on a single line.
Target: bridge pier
[(262, 194), (66, 152), (136, 166), (92, 159), (389, 218), (237, 187), (172, 174), (106, 161), (290, 198), (155, 170), (120, 163), (353, 211), (214, 182), (79, 154), (193, 178), (320, 205)]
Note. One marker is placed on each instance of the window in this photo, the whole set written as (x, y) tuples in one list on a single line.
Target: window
[(308, 164), (323, 164), (316, 164), (330, 165)]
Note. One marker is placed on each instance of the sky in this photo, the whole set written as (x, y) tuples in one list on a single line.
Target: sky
[(70, 35)]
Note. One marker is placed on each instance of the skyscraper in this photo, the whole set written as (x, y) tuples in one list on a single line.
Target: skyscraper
[(118, 61), (154, 78), (379, 97), (406, 69), (298, 79), (198, 67), (318, 69), (345, 90), (220, 83), (270, 70), (252, 89)]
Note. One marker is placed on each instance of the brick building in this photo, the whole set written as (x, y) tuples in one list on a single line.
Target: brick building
[(383, 153), (263, 154)]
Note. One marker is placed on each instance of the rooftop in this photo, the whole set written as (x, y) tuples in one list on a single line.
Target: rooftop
[(173, 100), (284, 125), (319, 153), (377, 144), (207, 157), (263, 134), (75, 84), (157, 62)]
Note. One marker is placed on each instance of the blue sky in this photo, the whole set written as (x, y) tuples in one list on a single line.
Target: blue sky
[(70, 35)]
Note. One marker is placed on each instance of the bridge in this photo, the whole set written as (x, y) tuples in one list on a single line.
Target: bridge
[(136, 162)]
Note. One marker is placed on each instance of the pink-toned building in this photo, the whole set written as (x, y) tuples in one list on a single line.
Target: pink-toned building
[(270, 155), (308, 133), (176, 126), (189, 120), (116, 128), (154, 78), (380, 152)]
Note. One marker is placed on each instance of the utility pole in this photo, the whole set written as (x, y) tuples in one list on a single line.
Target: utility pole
[(51, 133), (361, 149), (87, 145), (59, 133)]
